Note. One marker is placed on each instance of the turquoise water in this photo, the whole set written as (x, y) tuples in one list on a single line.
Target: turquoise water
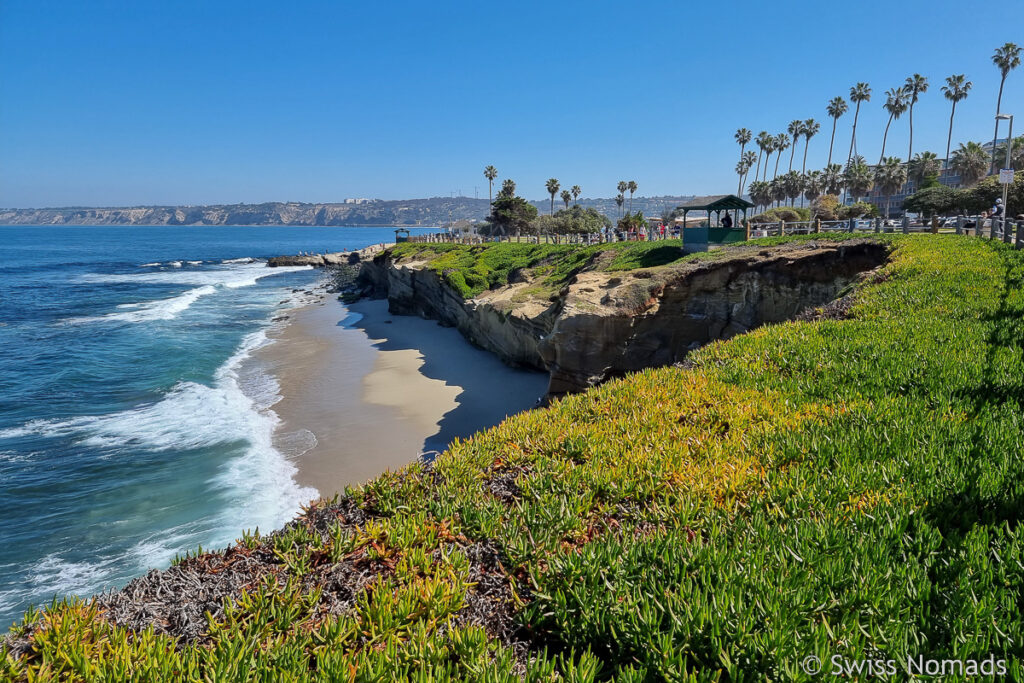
[(130, 427)]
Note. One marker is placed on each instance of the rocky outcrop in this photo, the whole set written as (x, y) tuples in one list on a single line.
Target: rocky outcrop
[(605, 324)]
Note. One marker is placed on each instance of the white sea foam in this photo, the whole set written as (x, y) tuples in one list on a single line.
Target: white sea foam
[(175, 264), (239, 260), (194, 263), (209, 280), (147, 311), (259, 483), (150, 265)]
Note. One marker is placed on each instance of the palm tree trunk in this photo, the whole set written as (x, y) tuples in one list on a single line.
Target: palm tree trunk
[(910, 150), (552, 203), (775, 173), (831, 142), (995, 134), (949, 138), (853, 136), (792, 151), (757, 171), (886, 135)]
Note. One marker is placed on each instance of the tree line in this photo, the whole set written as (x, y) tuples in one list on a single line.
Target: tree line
[(857, 177)]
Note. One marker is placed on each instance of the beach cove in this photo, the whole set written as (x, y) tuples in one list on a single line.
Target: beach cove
[(363, 391)]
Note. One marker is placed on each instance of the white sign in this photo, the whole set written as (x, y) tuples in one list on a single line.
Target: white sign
[(1006, 176)]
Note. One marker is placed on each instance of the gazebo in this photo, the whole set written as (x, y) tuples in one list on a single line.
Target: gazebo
[(717, 203), (401, 235)]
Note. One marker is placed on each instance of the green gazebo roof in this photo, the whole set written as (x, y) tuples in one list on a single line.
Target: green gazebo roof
[(716, 202)]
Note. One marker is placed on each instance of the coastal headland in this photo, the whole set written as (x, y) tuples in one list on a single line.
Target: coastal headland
[(822, 455)]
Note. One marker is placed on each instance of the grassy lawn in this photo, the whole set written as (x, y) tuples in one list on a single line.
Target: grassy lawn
[(848, 487)]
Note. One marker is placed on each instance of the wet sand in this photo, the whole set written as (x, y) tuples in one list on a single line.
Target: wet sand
[(363, 391)]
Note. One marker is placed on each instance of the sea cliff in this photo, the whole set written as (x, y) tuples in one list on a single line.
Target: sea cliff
[(601, 324)]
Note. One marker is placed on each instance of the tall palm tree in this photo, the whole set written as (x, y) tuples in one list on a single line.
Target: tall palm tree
[(1007, 58), (622, 187), (781, 145), (576, 192), (632, 187), (778, 190), (749, 159), (812, 186), (832, 179), (490, 173), (620, 199), (836, 107), (971, 162), (890, 176), (795, 129), (923, 165), (896, 105), (762, 146), (858, 93), (552, 186), (742, 137), (956, 89), (914, 86), (858, 178), (508, 188), (811, 128), (566, 197)]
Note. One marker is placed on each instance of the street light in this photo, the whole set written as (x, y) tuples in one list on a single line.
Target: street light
[(1009, 147)]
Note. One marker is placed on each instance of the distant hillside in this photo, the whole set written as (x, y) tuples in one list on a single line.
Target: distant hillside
[(432, 211)]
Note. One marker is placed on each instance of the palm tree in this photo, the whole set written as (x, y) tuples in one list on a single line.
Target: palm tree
[(759, 193), (741, 170), (914, 86), (832, 179), (566, 197), (781, 144), (576, 192), (890, 176), (762, 145), (620, 199), (778, 190), (742, 137), (1016, 153), (836, 107), (1007, 58), (632, 186), (795, 129), (858, 177), (896, 105), (508, 188), (812, 186), (793, 183), (749, 159), (622, 187), (970, 161), (858, 93), (490, 173), (811, 128), (552, 186), (956, 89), (923, 165)]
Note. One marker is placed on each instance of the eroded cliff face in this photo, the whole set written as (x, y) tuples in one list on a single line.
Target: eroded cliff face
[(604, 324)]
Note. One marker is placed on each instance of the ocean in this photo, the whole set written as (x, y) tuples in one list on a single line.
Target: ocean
[(131, 427)]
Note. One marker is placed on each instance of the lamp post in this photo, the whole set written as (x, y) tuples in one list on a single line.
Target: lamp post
[(1009, 147)]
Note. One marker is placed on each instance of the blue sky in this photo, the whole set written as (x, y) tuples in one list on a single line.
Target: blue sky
[(188, 102)]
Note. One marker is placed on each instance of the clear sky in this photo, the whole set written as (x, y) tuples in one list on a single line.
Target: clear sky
[(192, 102)]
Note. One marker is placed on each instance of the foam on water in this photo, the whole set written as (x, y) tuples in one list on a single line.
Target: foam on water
[(209, 280), (259, 485)]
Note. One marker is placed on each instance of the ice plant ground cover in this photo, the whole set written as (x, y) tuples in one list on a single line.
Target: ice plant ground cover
[(836, 486)]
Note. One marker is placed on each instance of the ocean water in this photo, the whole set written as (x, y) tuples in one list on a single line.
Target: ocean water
[(131, 428)]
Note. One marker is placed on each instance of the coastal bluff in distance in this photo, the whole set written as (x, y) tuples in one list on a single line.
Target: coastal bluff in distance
[(430, 211)]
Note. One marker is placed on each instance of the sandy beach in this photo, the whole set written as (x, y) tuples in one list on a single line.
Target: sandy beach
[(363, 391)]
